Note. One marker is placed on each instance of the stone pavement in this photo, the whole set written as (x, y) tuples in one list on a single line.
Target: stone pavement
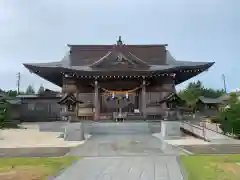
[(124, 168), (124, 145), (124, 156)]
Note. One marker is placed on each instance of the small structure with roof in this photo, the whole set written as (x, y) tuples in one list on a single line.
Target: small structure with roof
[(40, 107), (209, 103)]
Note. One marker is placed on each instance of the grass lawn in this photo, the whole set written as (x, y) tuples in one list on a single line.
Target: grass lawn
[(212, 167), (32, 168)]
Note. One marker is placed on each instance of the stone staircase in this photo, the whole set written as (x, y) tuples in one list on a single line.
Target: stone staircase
[(117, 128)]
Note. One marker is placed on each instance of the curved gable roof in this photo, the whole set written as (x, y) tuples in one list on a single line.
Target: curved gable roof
[(88, 54)]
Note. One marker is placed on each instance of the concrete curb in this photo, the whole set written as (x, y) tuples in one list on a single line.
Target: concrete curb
[(34, 152), (182, 149), (176, 146), (182, 168), (63, 170)]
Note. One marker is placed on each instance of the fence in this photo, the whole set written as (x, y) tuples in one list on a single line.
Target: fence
[(205, 132), (37, 112)]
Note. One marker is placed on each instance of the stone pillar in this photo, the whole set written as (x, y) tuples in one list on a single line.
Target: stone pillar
[(143, 98), (96, 100)]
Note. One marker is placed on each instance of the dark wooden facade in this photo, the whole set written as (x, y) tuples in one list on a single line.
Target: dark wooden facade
[(151, 91)]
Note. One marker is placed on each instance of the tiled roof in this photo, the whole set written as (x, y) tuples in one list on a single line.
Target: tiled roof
[(14, 101), (88, 54), (80, 58), (170, 63), (206, 100), (26, 96)]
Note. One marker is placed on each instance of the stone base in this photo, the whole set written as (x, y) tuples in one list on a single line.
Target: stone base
[(74, 131), (170, 129)]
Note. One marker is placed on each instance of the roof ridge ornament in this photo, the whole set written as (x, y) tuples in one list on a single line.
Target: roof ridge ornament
[(119, 42), (119, 57)]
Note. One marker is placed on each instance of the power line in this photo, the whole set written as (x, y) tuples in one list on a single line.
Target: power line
[(18, 82), (224, 83)]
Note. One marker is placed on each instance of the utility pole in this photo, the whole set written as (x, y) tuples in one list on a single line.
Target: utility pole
[(18, 82), (224, 83)]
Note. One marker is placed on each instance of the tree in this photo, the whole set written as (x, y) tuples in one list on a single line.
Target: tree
[(212, 93), (12, 93), (41, 89), (196, 89), (30, 90), (233, 99), (229, 120), (192, 92)]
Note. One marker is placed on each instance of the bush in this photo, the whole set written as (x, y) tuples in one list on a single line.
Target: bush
[(229, 120)]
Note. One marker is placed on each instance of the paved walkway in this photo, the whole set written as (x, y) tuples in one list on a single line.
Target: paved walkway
[(127, 168), (115, 157)]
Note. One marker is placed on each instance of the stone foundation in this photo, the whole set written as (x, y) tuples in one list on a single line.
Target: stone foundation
[(74, 132), (170, 129)]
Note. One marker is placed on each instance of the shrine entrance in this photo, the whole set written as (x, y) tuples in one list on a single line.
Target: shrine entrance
[(120, 103)]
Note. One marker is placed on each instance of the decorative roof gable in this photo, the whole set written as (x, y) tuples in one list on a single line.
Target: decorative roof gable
[(82, 55), (68, 99), (119, 57)]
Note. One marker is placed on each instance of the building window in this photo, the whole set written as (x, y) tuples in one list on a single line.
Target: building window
[(31, 107), (40, 107)]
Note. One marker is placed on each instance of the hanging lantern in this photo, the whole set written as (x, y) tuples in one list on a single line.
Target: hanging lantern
[(127, 95)]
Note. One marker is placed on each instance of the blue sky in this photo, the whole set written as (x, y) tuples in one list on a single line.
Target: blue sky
[(196, 30)]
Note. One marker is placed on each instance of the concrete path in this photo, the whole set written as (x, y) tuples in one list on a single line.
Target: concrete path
[(132, 156)]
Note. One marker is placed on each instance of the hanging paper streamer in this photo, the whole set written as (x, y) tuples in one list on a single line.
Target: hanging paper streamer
[(121, 92)]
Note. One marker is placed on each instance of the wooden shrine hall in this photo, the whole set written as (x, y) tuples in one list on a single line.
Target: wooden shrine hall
[(117, 81)]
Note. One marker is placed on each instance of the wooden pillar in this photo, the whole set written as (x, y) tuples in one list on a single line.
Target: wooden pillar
[(143, 98), (96, 100)]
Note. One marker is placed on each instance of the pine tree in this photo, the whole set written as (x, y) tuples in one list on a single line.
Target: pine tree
[(30, 90), (41, 89)]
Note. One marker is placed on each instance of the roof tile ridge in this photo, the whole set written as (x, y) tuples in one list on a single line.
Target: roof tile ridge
[(138, 59), (146, 45), (109, 45), (101, 59)]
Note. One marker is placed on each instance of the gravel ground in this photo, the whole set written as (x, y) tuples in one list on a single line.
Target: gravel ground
[(31, 136)]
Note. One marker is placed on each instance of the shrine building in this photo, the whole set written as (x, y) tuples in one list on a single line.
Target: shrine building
[(104, 82)]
